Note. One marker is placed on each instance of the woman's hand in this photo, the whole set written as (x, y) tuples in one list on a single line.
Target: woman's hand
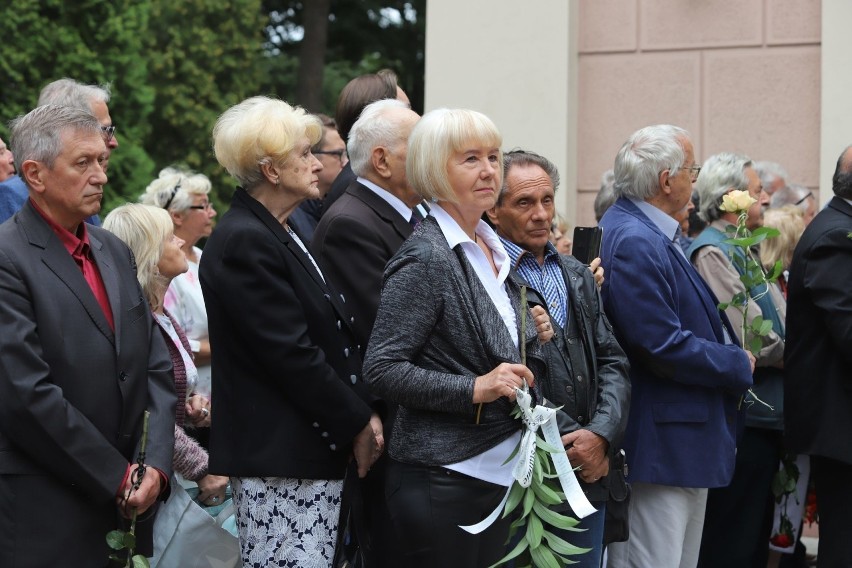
[(211, 489), (198, 411), (542, 323), (597, 271), (365, 447), (502, 381)]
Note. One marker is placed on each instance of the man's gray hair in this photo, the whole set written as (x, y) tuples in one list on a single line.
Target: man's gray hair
[(522, 158), (606, 196), (68, 92), (646, 154), (791, 194), (768, 172), (376, 126), (719, 175), (37, 135)]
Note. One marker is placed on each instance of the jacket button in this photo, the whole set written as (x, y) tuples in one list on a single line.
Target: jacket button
[(316, 425), (352, 319), (580, 419), (339, 325), (324, 434), (353, 378), (570, 342), (122, 376), (346, 352), (569, 389), (580, 378), (332, 447), (342, 299)]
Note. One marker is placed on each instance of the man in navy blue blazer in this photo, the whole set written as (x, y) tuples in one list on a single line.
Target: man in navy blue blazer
[(687, 369)]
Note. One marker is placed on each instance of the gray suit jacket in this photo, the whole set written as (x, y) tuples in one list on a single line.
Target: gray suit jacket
[(72, 394), (436, 331)]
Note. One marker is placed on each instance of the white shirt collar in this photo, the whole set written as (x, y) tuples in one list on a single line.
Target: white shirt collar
[(455, 235), (390, 198)]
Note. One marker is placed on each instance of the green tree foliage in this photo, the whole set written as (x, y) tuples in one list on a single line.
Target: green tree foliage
[(175, 66), (205, 55), (94, 42), (363, 37)]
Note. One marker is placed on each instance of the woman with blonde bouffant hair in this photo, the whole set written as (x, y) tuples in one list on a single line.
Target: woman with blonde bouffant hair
[(790, 222), (291, 407)]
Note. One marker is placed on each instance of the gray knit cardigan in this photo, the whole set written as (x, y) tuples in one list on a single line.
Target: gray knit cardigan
[(436, 331)]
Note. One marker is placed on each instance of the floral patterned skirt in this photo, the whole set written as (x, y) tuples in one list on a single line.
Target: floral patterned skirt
[(287, 522)]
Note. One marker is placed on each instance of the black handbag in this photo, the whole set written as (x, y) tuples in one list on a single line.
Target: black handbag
[(353, 542), (616, 518)]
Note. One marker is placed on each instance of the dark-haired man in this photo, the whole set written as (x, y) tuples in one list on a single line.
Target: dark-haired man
[(818, 359)]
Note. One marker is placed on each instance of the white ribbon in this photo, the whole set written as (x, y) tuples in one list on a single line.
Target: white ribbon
[(535, 418)]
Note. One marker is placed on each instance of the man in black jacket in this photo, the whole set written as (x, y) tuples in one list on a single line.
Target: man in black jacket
[(587, 367), (817, 358)]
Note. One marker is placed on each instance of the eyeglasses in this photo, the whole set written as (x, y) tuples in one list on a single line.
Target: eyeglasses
[(802, 200), (109, 131), (341, 154), (694, 171), (206, 206)]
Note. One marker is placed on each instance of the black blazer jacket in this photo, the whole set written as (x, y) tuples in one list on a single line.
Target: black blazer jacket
[(818, 349), (287, 391), (353, 242), (72, 394)]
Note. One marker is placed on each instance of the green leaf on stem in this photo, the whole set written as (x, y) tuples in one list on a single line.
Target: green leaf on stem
[(543, 558), (545, 494), (140, 561), (534, 531), (514, 452), (555, 519), (115, 539), (754, 345), (519, 548), (540, 443), (529, 500), (562, 546), (515, 495)]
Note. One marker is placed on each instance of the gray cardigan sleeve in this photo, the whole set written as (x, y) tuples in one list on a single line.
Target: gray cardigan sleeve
[(399, 365)]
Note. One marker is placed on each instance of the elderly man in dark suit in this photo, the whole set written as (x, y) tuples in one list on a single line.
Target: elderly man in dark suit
[(353, 242), (80, 359), (367, 225), (687, 372), (818, 359)]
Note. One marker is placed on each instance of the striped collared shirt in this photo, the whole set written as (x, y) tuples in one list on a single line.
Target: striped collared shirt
[(546, 279)]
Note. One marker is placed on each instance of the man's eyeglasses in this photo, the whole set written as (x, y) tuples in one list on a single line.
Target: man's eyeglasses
[(109, 131), (206, 206), (694, 171), (341, 154)]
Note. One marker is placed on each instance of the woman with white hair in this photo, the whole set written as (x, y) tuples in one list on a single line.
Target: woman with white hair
[(445, 347), (291, 408), (149, 234), (184, 194)]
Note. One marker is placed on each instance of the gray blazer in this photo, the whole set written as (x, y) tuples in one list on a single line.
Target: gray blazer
[(436, 331)]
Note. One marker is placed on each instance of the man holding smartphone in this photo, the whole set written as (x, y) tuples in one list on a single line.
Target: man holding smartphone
[(587, 368)]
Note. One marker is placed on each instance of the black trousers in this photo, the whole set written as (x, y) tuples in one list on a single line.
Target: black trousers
[(833, 480), (739, 517), (427, 505)]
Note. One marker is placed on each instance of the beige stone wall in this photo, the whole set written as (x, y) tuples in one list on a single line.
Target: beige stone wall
[(740, 75)]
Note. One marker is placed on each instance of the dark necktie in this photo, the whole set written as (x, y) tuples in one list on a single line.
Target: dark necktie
[(416, 217)]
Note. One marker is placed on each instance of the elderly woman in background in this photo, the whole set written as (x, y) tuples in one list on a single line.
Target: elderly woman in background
[(445, 348), (291, 408), (149, 233), (185, 195)]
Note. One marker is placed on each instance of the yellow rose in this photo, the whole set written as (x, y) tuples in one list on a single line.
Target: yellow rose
[(736, 201)]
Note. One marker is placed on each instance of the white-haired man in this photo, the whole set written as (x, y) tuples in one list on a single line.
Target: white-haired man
[(687, 373)]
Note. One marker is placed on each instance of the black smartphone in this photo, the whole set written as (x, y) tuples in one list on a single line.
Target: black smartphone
[(587, 243)]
